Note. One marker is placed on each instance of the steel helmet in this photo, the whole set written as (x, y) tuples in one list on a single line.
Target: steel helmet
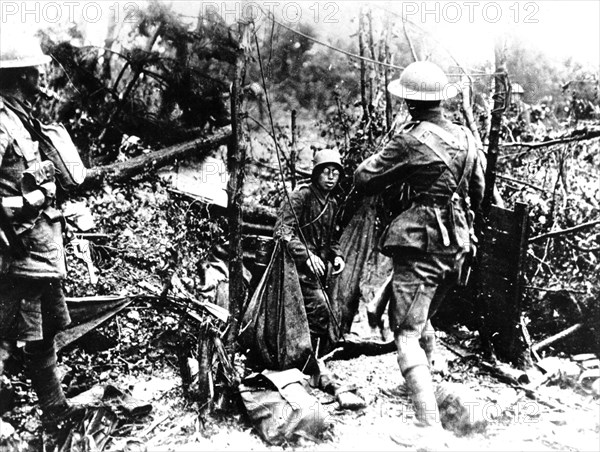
[(327, 157), (20, 50), (423, 80), (516, 88)]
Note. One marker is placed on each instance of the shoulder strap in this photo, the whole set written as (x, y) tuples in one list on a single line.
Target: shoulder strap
[(314, 220), (28, 123), (430, 135), (441, 133)]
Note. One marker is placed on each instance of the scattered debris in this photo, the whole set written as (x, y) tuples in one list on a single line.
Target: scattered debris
[(281, 407)]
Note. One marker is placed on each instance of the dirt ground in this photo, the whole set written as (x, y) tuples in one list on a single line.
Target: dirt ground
[(564, 418), (142, 359)]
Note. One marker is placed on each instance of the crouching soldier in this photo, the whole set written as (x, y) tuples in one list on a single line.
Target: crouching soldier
[(32, 263), (307, 225)]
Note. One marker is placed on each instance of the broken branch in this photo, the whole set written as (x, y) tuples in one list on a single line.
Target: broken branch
[(557, 337), (576, 137), (517, 181), (124, 170), (579, 227)]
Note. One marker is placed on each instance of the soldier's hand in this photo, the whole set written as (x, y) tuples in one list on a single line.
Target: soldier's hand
[(316, 265), (338, 265), (49, 190)]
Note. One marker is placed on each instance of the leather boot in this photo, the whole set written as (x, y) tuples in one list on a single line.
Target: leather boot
[(41, 365), (420, 385)]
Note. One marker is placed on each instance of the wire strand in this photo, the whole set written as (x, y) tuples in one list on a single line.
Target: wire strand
[(285, 190)]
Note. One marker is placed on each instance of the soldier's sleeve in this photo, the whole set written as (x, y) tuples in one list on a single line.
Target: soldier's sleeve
[(286, 227), (383, 169)]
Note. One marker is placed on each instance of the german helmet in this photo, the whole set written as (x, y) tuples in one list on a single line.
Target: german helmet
[(327, 157), (424, 81)]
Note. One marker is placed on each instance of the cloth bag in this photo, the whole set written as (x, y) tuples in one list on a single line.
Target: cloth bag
[(358, 242), (274, 327)]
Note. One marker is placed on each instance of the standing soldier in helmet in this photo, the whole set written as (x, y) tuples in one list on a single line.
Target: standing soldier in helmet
[(32, 264), (429, 238), (518, 116)]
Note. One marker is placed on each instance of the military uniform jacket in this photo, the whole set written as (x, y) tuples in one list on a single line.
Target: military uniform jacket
[(41, 236), (315, 211), (438, 218)]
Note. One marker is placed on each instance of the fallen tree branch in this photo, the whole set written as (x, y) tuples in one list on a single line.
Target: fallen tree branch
[(579, 227), (517, 181), (557, 337), (544, 289), (505, 373), (457, 350), (589, 135), (125, 170)]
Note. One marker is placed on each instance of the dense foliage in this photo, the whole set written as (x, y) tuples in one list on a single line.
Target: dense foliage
[(165, 80)]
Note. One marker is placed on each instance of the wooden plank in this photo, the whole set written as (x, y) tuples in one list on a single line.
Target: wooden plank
[(501, 218)]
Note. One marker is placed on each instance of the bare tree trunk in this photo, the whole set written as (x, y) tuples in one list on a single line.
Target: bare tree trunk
[(236, 159), (388, 98), (500, 102), (468, 109), (373, 72), (361, 50), (108, 43), (294, 152)]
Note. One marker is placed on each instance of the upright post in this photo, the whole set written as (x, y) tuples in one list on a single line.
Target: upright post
[(294, 153), (236, 159), (500, 103)]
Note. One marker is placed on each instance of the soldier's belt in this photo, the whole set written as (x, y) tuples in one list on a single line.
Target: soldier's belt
[(427, 199)]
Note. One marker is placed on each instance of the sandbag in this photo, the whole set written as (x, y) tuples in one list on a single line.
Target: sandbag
[(356, 243), (280, 406), (274, 327)]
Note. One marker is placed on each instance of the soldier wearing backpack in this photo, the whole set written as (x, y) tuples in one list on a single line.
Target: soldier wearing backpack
[(32, 261)]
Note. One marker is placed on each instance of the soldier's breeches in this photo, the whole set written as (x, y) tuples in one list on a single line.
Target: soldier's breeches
[(420, 282), (315, 303)]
